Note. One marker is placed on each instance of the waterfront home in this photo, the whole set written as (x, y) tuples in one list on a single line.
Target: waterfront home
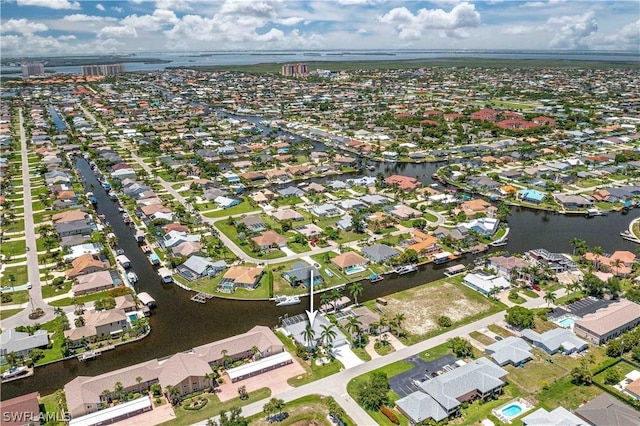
[(573, 201), (620, 262), (21, 410), (531, 196), (486, 283), (607, 410), (609, 322), (477, 206), (70, 216), (76, 227), (379, 253), (441, 397), (287, 214), (375, 200), (511, 350), (300, 273), (405, 183), (157, 211), (558, 416), (269, 240), (247, 277), (253, 223), (555, 340), (173, 238), (482, 183), (309, 230), (558, 262), (315, 188), (485, 226), (242, 346), (226, 202), (86, 264), (325, 210), (350, 262), (186, 248), (21, 343), (98, 324), (295, 328), (78, 250), (351, 204), (197, 267), (291, 191), (507, 266), (125, 303), (96, 281), (423, 243)]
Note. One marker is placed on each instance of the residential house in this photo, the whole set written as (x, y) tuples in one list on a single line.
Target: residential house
[(619, 262), (80, 249), (197, 267), (76, 227), (21, 410), (558, 262), (405, 183), (70, 216), (241, 346), (301, 273), (287, 214), (87, 264), (351, 204), (173, 238), (240, 276), (555, 340), (511, 350), (570, 202), (96, 281), (345, 223), (213, 193), (98, 324), (485, 226), (263, 196), (297, 332), (253, 223), (291, 191), (507, 266), (606, 410), (531, 196), (609, 322), (375, 200), (423, 243), (348, 260), (442, 396), (309, 230), (474, 207), (403, 212), (186, 248), (379, 253), (185, 373), (21, 343), (270, 239), (486, 283), (316, 188), (482, 183), (558, 416), (325, 210), (226, 202)]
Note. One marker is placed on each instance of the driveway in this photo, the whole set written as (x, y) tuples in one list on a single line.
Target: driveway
[(345, 355)]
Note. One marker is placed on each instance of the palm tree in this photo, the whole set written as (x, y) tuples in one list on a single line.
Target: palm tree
[(398, 319), (308, 334), (336, 294), (328, 334), (172, 394), (325, 298), (139, 380), (549, 297), (354, 326), (225, 357), (118, 390), (617, 264), (356, 290), (579, 246), (256, 352)]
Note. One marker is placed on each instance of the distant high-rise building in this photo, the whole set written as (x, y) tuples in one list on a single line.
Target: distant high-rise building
[(102, 70), (32, 68), (295, 70)]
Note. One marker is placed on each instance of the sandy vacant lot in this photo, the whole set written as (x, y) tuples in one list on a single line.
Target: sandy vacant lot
[(423, 305)]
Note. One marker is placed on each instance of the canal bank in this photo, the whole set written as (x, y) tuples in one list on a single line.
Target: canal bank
[(178, 324)]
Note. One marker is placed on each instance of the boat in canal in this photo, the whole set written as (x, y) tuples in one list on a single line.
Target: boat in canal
[(405, 269), (374, 278), (132, 277), (443, 257), (123, 261), (14, 371), (287, 300)]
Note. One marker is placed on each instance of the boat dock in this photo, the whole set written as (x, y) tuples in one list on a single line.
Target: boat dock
[(454, 270), (28, 372), (201, 297), (85, 356), (626, 235)]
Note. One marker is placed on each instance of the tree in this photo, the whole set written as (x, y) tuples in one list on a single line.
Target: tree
[(173, 394), (79, 322), (308, 334), (139, 380), (233, 419), (581, 374), (354, 326), (226, 359), (373, 392), (579, 246), (242, 392), (334, 408), (356, 290), (444, 321), (613, 287), (336, 294), (118, 390), (592, 285), (613, 376), (397, 321), (550, 297), (328, 334), (357, 222), (519, 316), (461, 347)]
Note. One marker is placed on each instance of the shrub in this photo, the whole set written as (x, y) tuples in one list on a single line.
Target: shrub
[(444, 321), (390, 415), (158, 400)]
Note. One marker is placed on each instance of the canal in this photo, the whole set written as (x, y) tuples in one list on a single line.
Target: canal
[(179, 324), (55, 117)]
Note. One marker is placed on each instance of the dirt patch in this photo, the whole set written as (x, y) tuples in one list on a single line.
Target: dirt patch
[(311, 414), (422, 306)]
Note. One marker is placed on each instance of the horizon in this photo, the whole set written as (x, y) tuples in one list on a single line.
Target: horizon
[(32, 28)]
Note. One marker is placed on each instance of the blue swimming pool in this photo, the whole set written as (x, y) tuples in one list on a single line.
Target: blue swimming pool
[(354, 270), (133, 318), (566, 322), (511, 411)]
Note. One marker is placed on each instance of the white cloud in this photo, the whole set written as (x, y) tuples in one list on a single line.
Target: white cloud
[(520, 29), (154, 22), (572, 32), (535, 4), (291, 21), (79, 17), (100, 7), (51, 4), (112, 31), (22, 26), (184, 5), (357, 2), (273, 35), (117, 9), (628, 37), (410, 27)]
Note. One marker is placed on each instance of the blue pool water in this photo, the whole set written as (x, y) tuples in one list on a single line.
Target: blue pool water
[(133, 318), (354, 270), (511, 411), (566, 322)]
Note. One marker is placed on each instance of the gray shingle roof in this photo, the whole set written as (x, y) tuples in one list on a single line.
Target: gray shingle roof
[(379, 252)]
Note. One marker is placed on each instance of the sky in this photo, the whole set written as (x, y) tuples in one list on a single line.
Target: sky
[(64, 27)]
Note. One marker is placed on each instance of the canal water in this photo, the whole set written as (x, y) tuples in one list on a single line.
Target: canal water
[(55, 117), (178, 324)]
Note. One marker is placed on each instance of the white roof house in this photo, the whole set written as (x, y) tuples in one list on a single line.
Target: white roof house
[(484, 283)]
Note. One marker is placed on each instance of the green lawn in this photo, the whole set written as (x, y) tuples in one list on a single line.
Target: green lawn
[(7, 313), (244, 207), (55, 353), (230, 231), (482, 338), (564, 393), (52, 290), (436, 352), (17, 297), (530, 293), (502, 332), (19, 274), (517, 299), (68, 301), (13, 248), (315, 372), (213, 408), (310, 409), (48, 406), (287, 201)]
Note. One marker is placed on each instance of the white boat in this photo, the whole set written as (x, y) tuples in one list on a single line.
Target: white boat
[(124, 261), (14, 371), (405, 269), (287, 300), (132, 277)]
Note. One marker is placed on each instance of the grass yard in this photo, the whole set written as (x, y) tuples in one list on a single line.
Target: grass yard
[(436, 352), (210, 286), (500, 331), (13, 248), (52, 290), (539, 372), (287, 201), (17, 297), (308, 410), (48, 406), (19, 274), (243, 207), (530, 293), (481, 337), (8, 313), (230, 231), (68, 301), (213, 408), (564, 393)]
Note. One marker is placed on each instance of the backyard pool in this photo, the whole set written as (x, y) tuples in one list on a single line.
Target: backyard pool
[(566, 322), (133, 318), (354, 270), (512, 411)]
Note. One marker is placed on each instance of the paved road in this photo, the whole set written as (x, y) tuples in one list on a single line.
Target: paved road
[(33, 268)]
